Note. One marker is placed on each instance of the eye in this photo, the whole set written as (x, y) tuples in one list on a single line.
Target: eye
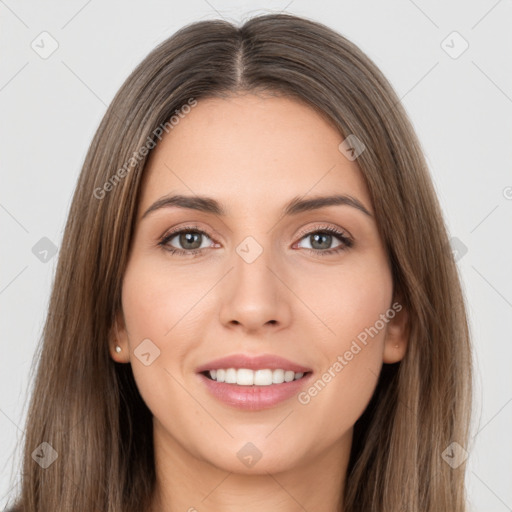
[(190, 239), (320, 241)]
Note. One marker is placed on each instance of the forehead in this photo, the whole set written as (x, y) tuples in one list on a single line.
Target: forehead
[(250, 150)]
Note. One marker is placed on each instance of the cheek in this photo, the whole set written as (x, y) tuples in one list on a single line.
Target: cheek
[(349, 298), (159, 306), (352, 306), (155, 303)]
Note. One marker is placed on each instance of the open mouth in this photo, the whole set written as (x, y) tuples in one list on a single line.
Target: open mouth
[(247, 377)]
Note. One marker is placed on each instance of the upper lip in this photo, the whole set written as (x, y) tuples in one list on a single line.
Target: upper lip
[(263, 361)]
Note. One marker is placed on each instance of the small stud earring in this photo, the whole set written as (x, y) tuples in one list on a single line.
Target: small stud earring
[(118, 348)]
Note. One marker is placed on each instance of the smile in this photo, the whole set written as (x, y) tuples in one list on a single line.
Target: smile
[(247, 377)]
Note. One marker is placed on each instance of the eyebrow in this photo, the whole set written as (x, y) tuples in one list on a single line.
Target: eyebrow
[(295, 206)]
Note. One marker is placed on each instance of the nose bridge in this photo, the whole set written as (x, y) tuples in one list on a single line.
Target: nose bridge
[(255, 296)]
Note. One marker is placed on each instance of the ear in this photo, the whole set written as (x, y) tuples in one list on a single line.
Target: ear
[(397, 335), (119, 338)]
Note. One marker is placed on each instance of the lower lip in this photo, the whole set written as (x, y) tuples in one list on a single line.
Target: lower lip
[(254, 398)]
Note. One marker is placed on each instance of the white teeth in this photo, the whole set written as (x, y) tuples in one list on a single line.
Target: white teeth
[(278, 376), (262, 377), (289, 376), (246, 377), (230, 376)]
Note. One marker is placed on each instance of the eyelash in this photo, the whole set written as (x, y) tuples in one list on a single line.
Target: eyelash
[(346, 242)]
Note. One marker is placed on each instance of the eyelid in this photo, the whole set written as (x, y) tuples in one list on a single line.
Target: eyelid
[(189, 227), (324, 227)]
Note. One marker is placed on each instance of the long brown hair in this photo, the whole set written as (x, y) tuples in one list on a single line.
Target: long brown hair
[(88, 408)]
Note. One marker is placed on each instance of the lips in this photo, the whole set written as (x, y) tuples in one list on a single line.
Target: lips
[(261, 362), (254, 397)]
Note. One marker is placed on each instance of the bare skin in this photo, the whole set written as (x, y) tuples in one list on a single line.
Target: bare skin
[(254, 154)]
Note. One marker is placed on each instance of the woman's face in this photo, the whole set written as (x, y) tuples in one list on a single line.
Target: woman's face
[(256, 275)]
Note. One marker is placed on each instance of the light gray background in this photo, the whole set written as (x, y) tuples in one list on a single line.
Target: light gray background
[(461, 108)]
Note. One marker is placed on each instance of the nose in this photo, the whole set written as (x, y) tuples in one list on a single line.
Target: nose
[(255, 296)]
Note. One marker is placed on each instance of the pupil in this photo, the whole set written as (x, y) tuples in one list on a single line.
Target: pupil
[(189, 238), (325, 237)]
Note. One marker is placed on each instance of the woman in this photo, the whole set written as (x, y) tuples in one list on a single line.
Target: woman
[(308, 350)]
